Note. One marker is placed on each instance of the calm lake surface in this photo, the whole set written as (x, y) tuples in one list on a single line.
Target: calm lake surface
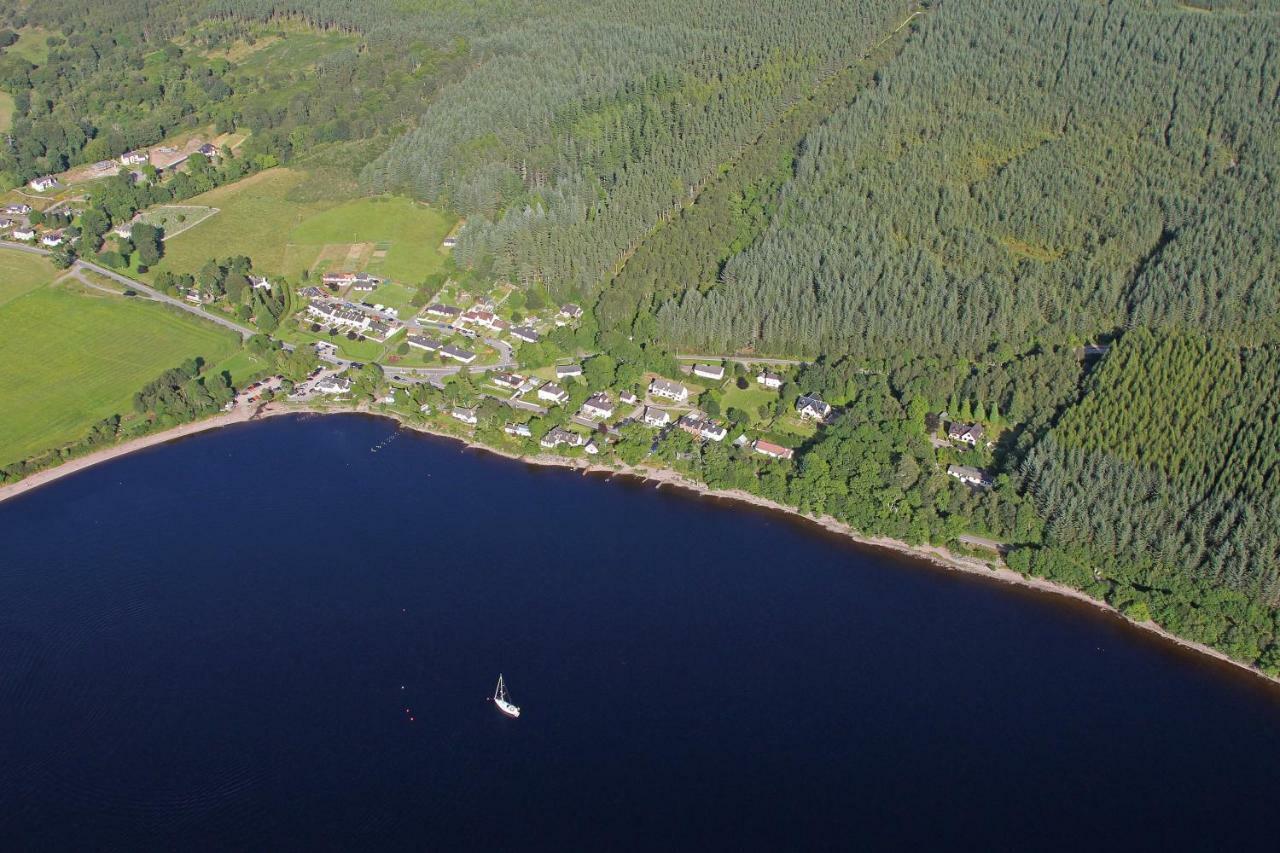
[(271, 637)]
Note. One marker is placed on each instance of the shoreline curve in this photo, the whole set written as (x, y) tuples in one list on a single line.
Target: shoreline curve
[(934, 555)]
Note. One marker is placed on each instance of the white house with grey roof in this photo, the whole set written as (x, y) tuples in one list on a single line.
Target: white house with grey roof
[(669, 390)]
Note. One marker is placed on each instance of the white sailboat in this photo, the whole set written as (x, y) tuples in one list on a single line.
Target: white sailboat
[(503, 701)]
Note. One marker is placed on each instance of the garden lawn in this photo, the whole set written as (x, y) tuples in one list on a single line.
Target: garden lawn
[(748, 399), (69, 359)]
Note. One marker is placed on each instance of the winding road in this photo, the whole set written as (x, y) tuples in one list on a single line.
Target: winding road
[(137, 286)]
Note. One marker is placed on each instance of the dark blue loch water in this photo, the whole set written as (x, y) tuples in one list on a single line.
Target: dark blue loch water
[(273, 638)]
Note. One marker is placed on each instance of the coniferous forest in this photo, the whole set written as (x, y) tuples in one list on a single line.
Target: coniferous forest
[(1057, 218)]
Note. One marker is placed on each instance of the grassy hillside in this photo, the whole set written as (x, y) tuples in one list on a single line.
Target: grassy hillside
[(263, 217), (72, 356)]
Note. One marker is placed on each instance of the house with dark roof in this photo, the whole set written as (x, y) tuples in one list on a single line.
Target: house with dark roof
[(709, 371), (458, 354), (565, 371), (553, 393), (598, 408), (656, 417), (424, 342), (811, 407), (526, 334), (969, 476), (970, 434)]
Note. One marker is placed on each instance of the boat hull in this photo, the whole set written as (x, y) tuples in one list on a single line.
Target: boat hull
[(507, 708)]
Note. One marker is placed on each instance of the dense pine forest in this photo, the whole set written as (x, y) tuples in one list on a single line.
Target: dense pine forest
[(936, 205)]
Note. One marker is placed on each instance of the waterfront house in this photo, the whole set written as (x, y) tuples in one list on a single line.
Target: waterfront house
[(772, 381), (709, 371), (558, 436), (518, 430), (969, 434), (553, 393), (526, 334), (773, 451), (702, 428), (590, 447), (656, 417), (46, 182), (333, 385), (669, 390), (969, 476), (458, 354), (566, 371), (467, 416), (597, 408), (810, 407)]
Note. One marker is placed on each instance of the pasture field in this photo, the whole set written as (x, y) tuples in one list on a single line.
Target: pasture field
[(176, 218), (255, 219), (70, 357), (398, 238), (21, 273), (262, 218)]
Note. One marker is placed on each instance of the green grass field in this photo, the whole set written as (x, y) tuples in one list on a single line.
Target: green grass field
[(260, 218), (21, 273), (31, 45), (255, 220), (404, 236), (176, 218), (70, 357), (748, 399)]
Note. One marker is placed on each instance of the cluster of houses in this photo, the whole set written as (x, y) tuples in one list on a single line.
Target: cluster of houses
[(167, 158), (358, 281), (344, 315), (449, 351)]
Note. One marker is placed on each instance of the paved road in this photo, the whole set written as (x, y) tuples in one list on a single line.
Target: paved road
[(139, 287), (779, 362)]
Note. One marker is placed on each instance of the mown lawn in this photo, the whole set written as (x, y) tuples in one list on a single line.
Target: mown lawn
[(748, 399), (405, 236), (21, 273), (70, 357)]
